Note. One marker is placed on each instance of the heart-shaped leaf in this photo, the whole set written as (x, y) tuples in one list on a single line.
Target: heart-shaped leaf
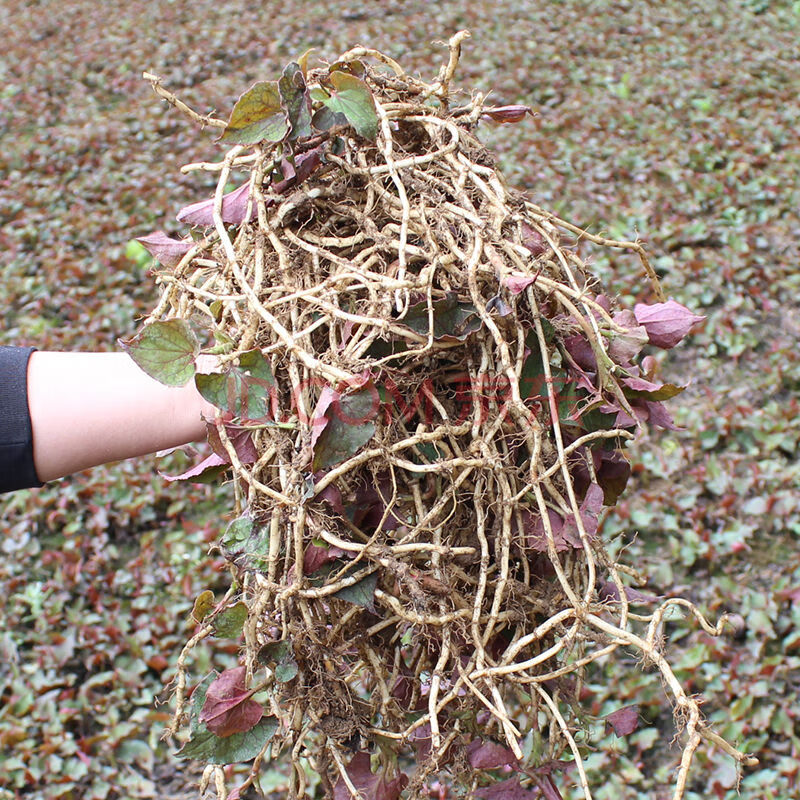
[(347, 423), (257, 115), (165, 351), (245, 746), (623, 721), (278, 656), (244, 390), (228, 707), (228, 623), (370, 786), (353, 98), (361, 593)]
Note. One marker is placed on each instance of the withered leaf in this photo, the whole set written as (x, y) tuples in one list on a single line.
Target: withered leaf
[(203, 604)]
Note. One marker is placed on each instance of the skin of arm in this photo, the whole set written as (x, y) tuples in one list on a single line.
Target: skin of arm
[(92, 408)]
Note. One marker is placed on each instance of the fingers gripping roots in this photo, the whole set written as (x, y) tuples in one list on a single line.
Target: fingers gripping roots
[(448, 601)]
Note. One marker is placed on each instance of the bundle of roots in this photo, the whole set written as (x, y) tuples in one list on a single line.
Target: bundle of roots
[(423, 400)]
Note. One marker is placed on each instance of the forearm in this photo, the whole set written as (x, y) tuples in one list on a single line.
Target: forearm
[(91, 408)]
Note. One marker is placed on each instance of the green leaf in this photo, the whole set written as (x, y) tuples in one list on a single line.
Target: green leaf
[(237, 533), (453, 320), (165, 351), (361, 593), (257, 115), (224, 343), (248, 542), (318, 94), (350, 425), (243, 746), (198, 701), (229, 623), (244, 389), (324, 119), (353, 98), (296, 99), (279, 657)]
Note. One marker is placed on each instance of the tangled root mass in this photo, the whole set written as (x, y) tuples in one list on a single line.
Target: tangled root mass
[(423, 400)]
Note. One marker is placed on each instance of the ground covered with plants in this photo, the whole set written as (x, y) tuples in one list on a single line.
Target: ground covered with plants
[(677, 124)]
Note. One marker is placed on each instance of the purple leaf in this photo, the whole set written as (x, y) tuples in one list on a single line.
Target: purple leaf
[(304, 166), (234, 209), (164, 249), (581, 351), (590, 511), (666, 323), (369, 786), (317, 556), (623, 721), (658, 415), (549, 791), (624, 347), (533, 240), (320, 418), (422, 742), (332, 495), (228, 706), (507, 113), (204, 472), (609, 591), (517, 283), (240, 438), (612, 475), (350, 425), (650, 411), (535, 535), (369, 505), (489, 755), (508, 790)]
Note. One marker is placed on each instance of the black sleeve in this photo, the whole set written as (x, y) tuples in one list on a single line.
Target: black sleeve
[(17, 470)]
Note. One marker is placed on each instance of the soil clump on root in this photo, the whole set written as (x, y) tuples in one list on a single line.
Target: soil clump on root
[(424, 398)]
